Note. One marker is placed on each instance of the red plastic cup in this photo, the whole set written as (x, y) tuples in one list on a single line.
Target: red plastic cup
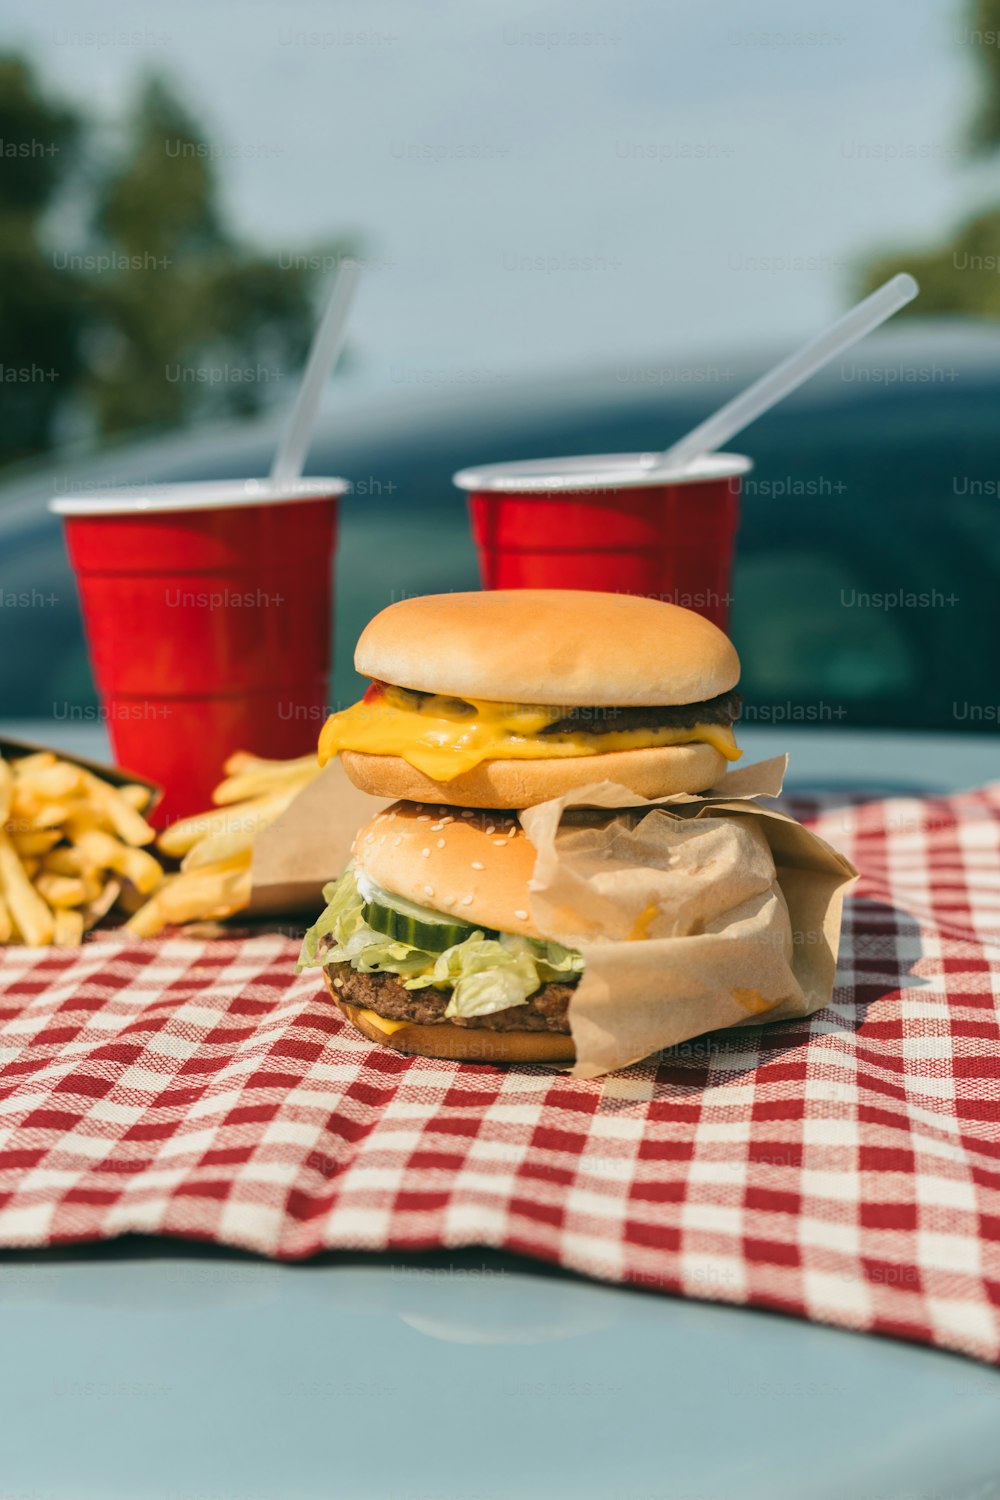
[(207, 609), (605, 522)]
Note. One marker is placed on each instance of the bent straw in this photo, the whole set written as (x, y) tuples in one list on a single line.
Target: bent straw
[(326, 346), (786, 377)]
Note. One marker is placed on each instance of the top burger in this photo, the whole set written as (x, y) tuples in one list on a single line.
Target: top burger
[(504, 699)]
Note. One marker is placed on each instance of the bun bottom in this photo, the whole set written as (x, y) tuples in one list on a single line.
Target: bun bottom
[(516, 784), (464, 1043)]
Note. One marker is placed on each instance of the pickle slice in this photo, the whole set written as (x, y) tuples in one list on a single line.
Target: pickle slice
[(420, 928)]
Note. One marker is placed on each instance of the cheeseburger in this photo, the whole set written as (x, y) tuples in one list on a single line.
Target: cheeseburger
[(507, 698), (427, 942)]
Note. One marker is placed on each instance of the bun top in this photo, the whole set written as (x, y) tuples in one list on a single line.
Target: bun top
[(475, 865), (553, 646)]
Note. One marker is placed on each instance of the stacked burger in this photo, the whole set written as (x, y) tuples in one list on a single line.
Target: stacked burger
[(482, 705)]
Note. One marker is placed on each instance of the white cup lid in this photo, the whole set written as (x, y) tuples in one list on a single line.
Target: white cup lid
[(210, 494), (597, 471)]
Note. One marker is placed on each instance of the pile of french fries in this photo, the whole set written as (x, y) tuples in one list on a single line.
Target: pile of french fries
[(74, 848), (71, 847), (215, 847)]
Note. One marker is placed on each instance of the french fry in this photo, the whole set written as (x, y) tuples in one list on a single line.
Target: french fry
[(210, 892), (136, 796), (242, 760), (129, 825), (33, 762), (110, 853), (95, 910), (254, 815), (233, 848), (61, 890), (69, 859), (147, 921), (147, 917), (51, 783), (82, 818), (6, 790), (40, 842), (33, 917), (6, 922), (69, 928), (198, 895), (266, 776), (29, 815)]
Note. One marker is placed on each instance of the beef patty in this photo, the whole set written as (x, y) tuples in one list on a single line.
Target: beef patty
[(724, 709), (721, 710), (545, 1010)]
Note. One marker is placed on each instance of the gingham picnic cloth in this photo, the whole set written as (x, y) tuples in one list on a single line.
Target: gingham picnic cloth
[(845, 1168)]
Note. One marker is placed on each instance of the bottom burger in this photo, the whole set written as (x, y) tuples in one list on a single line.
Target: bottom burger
[(428, 946)]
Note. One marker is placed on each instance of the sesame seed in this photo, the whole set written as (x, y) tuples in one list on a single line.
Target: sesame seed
[(522, 915), (436, 827), (500, 842), (419, 806), (492, 828), (426, 853), (468, 814), (397, 841), (440, 843), (382, 838), (369, 838), (338, 984), (477, 864), (428, 890), (466, 901), (424, 818)]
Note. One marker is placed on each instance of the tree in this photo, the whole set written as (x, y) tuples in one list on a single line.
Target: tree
[(157, 314), (961, 276), (188, 320), (40, 316)]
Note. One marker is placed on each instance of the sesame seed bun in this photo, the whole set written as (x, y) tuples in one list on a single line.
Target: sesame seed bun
[(657, 772), (461, 1043), (475, 866), (554, 646)]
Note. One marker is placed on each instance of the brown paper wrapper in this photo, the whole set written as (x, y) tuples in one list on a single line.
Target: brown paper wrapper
[(692, 913), (309, 844)]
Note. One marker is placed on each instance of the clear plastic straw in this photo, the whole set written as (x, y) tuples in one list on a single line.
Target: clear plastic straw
[(710, 435), (326, 346)]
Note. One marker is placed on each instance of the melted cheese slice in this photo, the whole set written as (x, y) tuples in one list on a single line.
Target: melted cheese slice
[(445, 737), (381, 1024)]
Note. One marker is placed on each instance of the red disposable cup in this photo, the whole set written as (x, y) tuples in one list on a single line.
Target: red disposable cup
[(207, 609), (606, 522)]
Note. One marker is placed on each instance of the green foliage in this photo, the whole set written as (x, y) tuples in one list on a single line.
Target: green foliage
[(40, 318), (961, 276), (983, 34), (158, 315)]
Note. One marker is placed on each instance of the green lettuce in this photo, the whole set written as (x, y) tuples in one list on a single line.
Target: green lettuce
[(485, 974)]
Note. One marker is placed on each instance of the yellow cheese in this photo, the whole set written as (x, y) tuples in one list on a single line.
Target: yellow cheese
[(380, 1022), (443, 737)]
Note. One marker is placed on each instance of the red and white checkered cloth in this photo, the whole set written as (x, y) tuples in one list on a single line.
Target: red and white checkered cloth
[(845, 1167)]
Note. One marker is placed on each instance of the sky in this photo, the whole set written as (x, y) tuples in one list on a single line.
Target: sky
[(557, 187)]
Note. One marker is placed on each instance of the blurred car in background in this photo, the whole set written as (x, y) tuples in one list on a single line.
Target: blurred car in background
[(867, 586)]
